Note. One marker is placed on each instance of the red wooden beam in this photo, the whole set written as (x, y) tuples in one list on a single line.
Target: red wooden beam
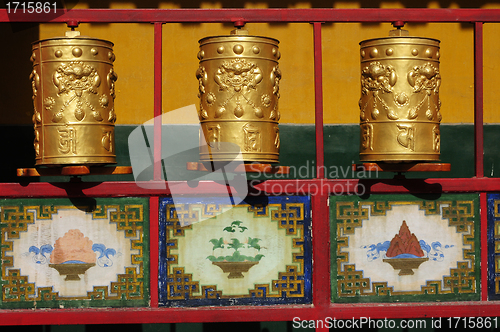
[(376, 186), (157, 315), (417, 15), (252, 313), (273, 187)]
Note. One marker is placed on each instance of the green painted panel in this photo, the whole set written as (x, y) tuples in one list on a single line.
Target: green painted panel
[(365, 230), (298, 150), (457, 148), (157, 327), (240, 327), (67, 328), (105, 239), (273, 327), (491, 150), (191, 327)]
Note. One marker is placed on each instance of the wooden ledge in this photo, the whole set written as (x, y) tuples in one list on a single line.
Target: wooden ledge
[(402, 167), (74, 171), (248, 168)]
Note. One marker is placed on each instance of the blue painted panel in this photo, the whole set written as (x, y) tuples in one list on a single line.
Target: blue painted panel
[(255, 253)]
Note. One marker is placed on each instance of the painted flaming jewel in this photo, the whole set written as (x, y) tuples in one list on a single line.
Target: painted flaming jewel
[(404, 242), (404, 252)]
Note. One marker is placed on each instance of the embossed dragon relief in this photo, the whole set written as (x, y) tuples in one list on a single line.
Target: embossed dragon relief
[(378, 79), (75, 79), (426, 78), (238, 77)]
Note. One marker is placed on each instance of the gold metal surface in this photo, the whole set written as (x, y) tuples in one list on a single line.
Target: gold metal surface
[(239, 89), (73, 83), (399, 104)]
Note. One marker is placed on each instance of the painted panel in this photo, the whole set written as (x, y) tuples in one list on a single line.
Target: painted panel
[(59, 253), (257, 252), (388, 248)]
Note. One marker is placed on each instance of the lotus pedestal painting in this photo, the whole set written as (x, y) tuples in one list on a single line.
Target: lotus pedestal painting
[(389, 248), (256, 252), (73, 253)]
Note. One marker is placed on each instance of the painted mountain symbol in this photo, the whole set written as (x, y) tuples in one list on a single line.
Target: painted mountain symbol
[(404, 243), (404, 252)]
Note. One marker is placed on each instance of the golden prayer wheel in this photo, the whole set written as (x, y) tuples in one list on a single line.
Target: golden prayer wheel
[(399, 104), (239, 89), (73, 83)]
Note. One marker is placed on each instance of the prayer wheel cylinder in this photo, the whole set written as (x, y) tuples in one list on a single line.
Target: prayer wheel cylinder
[(239, 90), (399, 104), (73, 83)]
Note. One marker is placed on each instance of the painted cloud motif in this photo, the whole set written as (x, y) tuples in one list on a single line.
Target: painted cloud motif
[(405, 243)]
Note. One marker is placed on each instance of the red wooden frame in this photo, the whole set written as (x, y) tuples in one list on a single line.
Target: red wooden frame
[(322, 306)]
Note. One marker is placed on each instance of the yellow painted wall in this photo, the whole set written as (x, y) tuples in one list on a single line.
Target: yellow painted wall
[(341, 69)]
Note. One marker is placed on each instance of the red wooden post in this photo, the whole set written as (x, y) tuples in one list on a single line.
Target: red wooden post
[(318, 100), (483, 209), (153, 249), (321, 256), (157, 169), (478, 100)]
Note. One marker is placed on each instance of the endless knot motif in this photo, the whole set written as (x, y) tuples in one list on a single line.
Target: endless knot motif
[(461, 215), (349, 216), (128, 218), (289, 217), (290, 283), (181, 285), (129, 285)]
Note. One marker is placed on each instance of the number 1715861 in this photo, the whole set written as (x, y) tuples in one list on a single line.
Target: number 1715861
[(472, 322), (31, 7)]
